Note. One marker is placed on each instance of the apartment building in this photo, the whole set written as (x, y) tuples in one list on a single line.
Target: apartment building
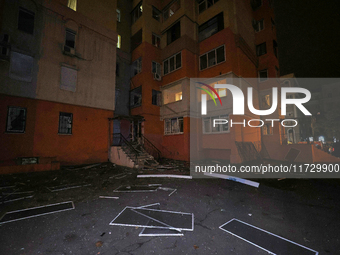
[(57, 82), (175, 40)]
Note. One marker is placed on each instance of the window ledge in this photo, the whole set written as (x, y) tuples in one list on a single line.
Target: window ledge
[(181, 133)]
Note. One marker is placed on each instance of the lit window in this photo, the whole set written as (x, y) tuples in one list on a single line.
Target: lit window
[(172, 94), (65, 123), (72, 4), (119, 42), (68, 79), (118, 15), (16, 120), (26, 21), (173, 63), (173, 126), (208, 124)]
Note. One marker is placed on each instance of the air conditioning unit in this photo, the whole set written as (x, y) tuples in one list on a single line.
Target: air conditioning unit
[(68, 50), (157, 77)]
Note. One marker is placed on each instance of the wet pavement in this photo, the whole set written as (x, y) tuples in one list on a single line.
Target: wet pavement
[(303, 211)]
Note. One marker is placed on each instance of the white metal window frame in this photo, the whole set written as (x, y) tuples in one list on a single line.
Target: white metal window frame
[(224, 52), (175, 63), (210, 119), (158, 68), (171, 132), (136, 65)]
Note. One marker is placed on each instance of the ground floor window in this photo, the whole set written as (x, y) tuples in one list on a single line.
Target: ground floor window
[(16, 120), (65, 123), (173, 126), (220, 126)]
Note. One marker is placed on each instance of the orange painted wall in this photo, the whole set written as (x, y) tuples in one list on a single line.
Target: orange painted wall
[(87, 144)]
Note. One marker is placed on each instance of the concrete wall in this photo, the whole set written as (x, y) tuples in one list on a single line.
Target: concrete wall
[(118, 156)]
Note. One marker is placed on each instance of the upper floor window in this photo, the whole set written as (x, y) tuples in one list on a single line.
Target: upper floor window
[(156, 97), (174, 33), (136, 97), (26, 21), (137, 12), (205, 4), (172, 94), (156, 68), (277, 72), (136, 66), (173, 126), (68, 78), (258, 25), (118, 15), (156, 14), (261, 49), (156, 40), (119, 42), (70, 38), (72, 4), (16, 120), (265, 102), (173, 63), (255, 4), (212, 58), (208, 125), (136, 39), (171, 9), (263, 75), (267, 129), (211, 27), (275, 49), (21, 67)]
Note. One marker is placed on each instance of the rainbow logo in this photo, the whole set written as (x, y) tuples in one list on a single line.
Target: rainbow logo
[(212, 89)]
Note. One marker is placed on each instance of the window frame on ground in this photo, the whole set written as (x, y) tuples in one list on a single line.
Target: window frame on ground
[(156, 97), (137, 12), (173, 126), (136, 97), (173, 60), (171, 9), (208, 54), (173, 33), (211, 27), (205, 4), (136, 67), (261, 49), (18, 115), (262, 78), (26, 20), (65, 123), (218, 129)]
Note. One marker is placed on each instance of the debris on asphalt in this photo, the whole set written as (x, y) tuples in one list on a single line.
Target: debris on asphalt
[(108, 197), (233, 178), (163, 176), (136, 188), (66, 187), (99, 244)]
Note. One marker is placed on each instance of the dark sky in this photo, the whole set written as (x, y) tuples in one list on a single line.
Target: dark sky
[(308, 35)]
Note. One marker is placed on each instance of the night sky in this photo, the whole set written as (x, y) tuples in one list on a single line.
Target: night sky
[(308, 34)]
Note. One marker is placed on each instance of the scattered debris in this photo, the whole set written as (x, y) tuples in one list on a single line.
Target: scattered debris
[(36, 211), (108, 197), (136, 188), (160, 232), (233, 178), (99, 244), (66, 187), (196, 247), (163, 176), (102, 234)]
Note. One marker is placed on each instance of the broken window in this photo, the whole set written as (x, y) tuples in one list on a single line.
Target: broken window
[(136, 66), (205, 4), (171, 9), (211, 27), (261, 49), (208, 124), (173, 63), (26, 21), (173, 126), (21, 66), (172, 94), (156, 14), (70, 38), (137, 12), (156, 40), (72, 4), (212, 58), (263, 75), (156, 97), (16, 120), (259, 25), (174, 33), (68, 78), (136, 39), (156, 68), (136, 97), (65, 123)]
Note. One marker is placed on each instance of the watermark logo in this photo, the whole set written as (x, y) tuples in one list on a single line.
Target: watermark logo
[(238, 99)]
